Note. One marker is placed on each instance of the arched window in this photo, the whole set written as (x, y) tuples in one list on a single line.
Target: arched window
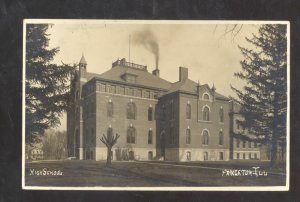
[(205, 137), (221, 114), (171, 110), (92, 136), (110, 109), (150, 155), (244, 144), (172, 135), (93, 107), (131, 135), (238, 143), (86, 139), (188, 156), (206, 113), (205, 156), (221, 138), (109, 133), (188, 136), (188, 111), (150, 137), (131, 110), (205, 96), (150, 113)]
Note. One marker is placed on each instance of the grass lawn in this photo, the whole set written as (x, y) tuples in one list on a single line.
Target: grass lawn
[(146, 174)]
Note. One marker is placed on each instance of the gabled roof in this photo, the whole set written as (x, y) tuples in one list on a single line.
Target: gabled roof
[(190, 86), (143, 78), (186, 86)]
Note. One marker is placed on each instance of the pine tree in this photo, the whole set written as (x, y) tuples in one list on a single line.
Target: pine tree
[(46, 84), (263, 99)]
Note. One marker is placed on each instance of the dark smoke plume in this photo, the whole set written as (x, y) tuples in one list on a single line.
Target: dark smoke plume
[(147, 39)]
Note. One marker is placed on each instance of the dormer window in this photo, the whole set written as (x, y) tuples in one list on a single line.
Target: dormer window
[(129, 78)]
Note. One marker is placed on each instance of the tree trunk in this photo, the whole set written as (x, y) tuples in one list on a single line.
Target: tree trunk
[(274, 151), (108, 160), (274, 143)]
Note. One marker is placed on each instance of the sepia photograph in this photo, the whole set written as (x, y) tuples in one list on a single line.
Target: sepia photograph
[(156, 105)]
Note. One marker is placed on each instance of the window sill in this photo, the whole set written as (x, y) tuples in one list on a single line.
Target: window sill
[(202, 121)]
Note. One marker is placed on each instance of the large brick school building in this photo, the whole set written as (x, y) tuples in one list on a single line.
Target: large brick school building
[(156, 119)]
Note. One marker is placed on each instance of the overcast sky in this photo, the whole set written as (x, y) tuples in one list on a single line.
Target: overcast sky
[(210, 56)]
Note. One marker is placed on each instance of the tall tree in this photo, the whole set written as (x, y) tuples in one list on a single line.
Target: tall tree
[(54, 144), (47, 84), (263, 99), (109, 140)]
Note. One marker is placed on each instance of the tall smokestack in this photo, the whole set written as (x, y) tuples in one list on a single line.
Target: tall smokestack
[(148, 40)]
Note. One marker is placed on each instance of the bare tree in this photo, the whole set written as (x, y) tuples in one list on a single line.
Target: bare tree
[(109, 140), (54, 144)]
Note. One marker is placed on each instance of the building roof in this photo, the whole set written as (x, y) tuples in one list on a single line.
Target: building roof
[(186, 85), (190, 86), (82, 60), (143, 78)]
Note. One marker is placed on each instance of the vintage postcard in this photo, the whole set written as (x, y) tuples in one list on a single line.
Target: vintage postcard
[(156, 105)]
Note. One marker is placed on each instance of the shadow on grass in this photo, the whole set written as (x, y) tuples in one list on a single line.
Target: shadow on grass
[(151, 179)]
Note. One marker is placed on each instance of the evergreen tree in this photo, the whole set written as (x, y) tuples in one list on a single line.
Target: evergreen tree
[(46, 84), (263, 99)]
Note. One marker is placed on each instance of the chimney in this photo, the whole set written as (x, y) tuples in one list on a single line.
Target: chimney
[(156, 72), (183, 73)]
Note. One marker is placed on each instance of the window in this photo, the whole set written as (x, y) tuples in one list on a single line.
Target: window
[(205, 137), (188, 156), (171, 110), (238, 125), (139, 93), (221, 156), (249, 144), (112, 89), (147, 94), (163, 112), (130, 91), (205, 96), (206, 114), (131, 135), (255, 155), (150, 137), (221, 114), (172, 136), (205, 156), (150, 155), (255, 144), (150, 113), (244, 156), (188, 111), (109, 133), (102, 87), (121, 90), (238, 156), (131, 111), (238, 143), (244, 144), (131, 155), (110, 109), (92, 107), (188, 136), (249, 155), (221, 138), (92, 137), (130, 78)]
